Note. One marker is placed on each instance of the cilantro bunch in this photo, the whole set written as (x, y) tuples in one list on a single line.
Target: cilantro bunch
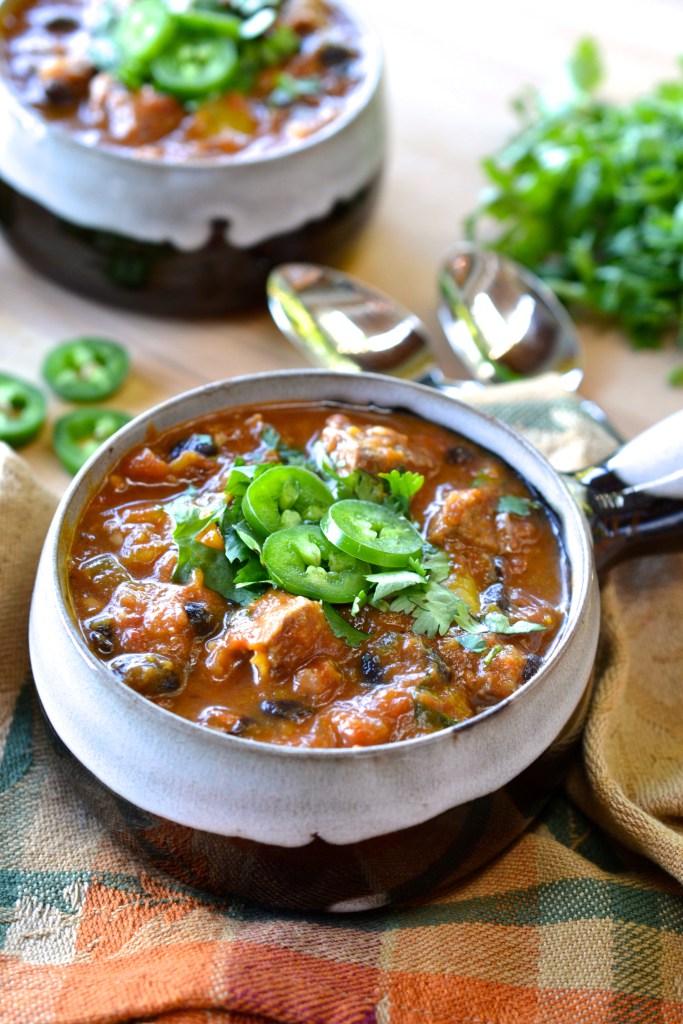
[(589, 195)]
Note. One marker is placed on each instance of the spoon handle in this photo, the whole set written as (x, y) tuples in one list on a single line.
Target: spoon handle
[(634, 501)]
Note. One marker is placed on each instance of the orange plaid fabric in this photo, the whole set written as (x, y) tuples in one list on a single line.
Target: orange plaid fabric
[(579, 922)]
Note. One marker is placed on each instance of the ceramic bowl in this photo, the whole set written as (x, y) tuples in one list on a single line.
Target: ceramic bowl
[(188, 238), (303, 828)]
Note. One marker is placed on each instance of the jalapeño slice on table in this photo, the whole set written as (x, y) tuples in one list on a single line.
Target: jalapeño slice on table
[(302, 561), (285, 496), (86, 369), (78, 434), (22, 410), (371, 532)]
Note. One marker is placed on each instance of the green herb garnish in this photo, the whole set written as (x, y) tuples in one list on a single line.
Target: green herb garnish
[(516, 506), (310, 560), (588, 195), (197, 49)]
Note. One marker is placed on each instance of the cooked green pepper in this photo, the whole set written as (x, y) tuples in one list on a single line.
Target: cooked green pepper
[(302, 561), (78, 434), (194, 64), (22, 410), (143, 31), (372, 532), (285, 496), (86, 369)]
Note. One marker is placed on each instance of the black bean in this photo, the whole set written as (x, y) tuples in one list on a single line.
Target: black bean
[(201, 618), (292, 710), (496, 595), (531, 666), (59, 93), (62, 23), (372, 670), (149, 674), (332, 54), (202, 444), (459, 455), (100, 634)]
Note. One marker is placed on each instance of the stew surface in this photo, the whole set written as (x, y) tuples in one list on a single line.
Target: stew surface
[(207, 81), (317, 575)]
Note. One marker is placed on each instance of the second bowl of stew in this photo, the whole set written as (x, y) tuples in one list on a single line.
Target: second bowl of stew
[(163, 157), (347, 642)]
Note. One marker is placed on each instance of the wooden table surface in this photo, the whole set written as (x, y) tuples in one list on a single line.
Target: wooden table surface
[(452, 69)]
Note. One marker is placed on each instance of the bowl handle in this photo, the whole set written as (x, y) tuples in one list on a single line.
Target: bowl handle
[(634, 501)]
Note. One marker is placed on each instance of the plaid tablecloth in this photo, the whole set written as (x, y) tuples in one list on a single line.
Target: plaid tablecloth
[(581, 920)]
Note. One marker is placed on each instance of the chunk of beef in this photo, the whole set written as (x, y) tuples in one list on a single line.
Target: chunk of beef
[(280, 633), (466, 514), (304, 16), (132, 118), (152, 617), (140, 533), (374, 448), (500, 678)]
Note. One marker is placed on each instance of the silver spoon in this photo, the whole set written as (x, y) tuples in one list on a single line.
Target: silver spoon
[(502, 321), (339, 323)]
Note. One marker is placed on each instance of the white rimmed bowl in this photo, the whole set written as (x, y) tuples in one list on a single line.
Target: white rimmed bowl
[(193, 238), (301, 828)]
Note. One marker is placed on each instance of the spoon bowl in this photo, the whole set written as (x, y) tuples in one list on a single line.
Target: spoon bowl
[(340, 323), (502, 321)]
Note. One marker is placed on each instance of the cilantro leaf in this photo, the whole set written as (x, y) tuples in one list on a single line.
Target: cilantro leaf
[(434, 609), (241, 476), (496, 622), (388, 583), (357, 484), (341, 628), (516, 506), (189, 520), (402, 487), (292, 456), (472, 642), (436, 563)]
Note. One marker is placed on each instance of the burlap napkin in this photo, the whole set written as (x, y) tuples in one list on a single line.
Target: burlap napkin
[(581, 920)]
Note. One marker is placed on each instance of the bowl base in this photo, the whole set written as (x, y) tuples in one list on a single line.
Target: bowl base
[(160, 279), (395, 869)]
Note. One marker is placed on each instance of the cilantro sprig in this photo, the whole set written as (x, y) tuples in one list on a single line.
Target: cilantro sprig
[(588, 195)]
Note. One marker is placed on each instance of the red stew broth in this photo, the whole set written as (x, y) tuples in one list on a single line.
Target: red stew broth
[(44, 48), (275, 671)]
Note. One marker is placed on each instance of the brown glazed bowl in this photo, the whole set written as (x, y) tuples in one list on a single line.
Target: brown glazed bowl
[(192, 237), (330, 829)]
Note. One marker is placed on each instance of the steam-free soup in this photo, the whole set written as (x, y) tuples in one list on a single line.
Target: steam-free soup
[(188, 80), (317, 575)]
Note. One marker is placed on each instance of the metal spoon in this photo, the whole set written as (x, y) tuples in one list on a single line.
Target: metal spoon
[(502, 321), (339, 323)]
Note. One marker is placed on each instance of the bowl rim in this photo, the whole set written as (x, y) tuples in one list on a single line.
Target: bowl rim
[(358, 101), (79, 494)]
